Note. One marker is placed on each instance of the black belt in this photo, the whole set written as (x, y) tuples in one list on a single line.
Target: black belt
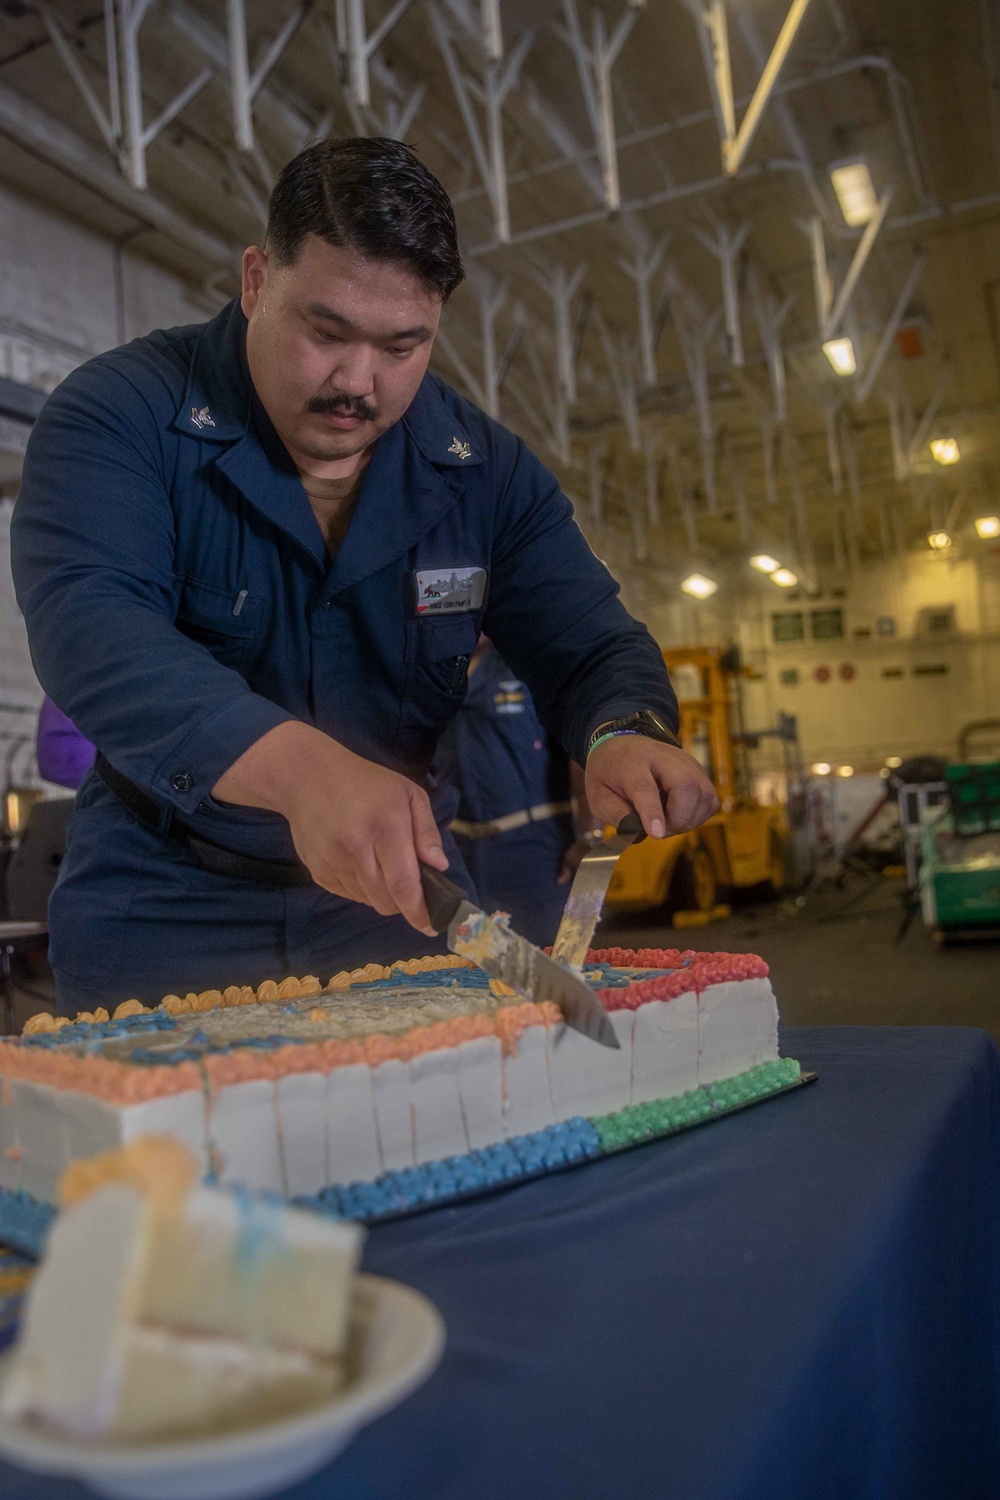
[(206, 852)]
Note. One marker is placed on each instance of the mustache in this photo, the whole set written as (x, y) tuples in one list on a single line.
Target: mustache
[(344, 406)]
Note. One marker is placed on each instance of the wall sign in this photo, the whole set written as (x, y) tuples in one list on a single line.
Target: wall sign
[(847, 671), (790, 677), (886, 624), (822, 674)]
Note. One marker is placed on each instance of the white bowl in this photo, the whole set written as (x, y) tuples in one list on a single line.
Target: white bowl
[(399, 1338)]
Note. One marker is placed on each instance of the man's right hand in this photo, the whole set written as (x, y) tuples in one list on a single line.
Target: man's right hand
[(358, 828)]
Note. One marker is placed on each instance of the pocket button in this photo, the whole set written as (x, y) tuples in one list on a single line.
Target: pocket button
[(181, 781)]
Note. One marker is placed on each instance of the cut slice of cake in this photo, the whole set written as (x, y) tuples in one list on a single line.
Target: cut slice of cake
[(164, 1308)]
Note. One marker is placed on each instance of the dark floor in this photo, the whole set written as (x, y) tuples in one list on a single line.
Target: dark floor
[(833, 960)]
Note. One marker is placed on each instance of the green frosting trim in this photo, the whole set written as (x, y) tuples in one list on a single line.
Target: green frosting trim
[(639, 1122)]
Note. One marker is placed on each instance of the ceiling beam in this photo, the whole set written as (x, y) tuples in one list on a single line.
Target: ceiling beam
[(38, 132)]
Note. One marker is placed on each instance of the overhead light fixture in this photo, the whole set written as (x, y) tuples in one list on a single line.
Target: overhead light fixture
[(939, 540), (945, 450), (852, 183), (821, 768), (894, 762), (988, 526), (764, 563), (700, 586), (845, 770), (840, 353), (784, 578)]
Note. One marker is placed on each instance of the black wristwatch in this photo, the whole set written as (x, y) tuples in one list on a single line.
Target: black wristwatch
[(645, 723)]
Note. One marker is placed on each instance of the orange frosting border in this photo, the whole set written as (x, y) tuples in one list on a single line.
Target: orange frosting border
[(121, 1083)]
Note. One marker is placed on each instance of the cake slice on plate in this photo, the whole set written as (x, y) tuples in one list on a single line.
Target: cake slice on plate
[(164, 1308)]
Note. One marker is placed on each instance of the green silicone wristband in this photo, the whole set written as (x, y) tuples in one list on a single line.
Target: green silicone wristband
[(612, 734)]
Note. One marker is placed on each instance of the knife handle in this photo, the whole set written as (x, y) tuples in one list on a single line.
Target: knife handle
[(442, 896), (631, 827)]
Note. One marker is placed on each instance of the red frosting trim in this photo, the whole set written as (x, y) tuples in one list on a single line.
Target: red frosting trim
[(705, 969)]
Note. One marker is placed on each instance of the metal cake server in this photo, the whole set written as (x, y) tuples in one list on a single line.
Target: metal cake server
[(503, 955), (586, 895)]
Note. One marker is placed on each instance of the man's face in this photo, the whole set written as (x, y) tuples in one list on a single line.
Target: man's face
[(337, 345)]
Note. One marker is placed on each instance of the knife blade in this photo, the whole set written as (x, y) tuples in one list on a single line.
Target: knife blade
[(501, 953), (586, 895)]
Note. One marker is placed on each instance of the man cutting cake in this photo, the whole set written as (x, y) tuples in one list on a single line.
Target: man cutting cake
[(254, 557)]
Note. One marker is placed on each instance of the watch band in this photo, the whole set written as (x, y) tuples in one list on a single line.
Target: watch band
[(645, 722)]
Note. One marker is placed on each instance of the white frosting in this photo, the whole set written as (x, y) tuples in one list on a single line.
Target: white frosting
[(41, 1133), (588, 1079), (243, 1126), (737, 1028), (438, 1125), (10, 1156), (180, 1115), (91, 1124), (480, 1087), (394, 1113), (352, 1146), (527, 1099), (665, 1048), (302, 1126), (760, 998)]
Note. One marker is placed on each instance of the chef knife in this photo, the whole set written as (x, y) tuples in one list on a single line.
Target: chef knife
[(586, 896), (502, 954)]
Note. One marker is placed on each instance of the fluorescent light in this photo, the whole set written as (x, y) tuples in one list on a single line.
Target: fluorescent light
[(784, 578), (840, 353), (698, 585), (764, 563), (845, 770), (939, 540), (894, 762), (988, 526), (821, 768), (852, 183), (945, 450)]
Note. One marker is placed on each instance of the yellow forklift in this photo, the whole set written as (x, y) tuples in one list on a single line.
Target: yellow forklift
[(745, 843)]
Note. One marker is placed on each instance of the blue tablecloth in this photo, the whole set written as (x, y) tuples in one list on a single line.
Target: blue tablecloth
[(799, 1301)]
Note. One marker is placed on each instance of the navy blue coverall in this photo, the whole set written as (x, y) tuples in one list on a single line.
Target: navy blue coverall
[(180, 603), (505, 767)]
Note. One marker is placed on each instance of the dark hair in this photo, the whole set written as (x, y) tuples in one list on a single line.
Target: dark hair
[(374, 196)]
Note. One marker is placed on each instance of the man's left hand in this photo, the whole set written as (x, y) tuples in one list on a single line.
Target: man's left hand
[(632, 771)]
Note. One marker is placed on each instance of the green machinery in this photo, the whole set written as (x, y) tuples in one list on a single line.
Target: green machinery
[(960, 847)]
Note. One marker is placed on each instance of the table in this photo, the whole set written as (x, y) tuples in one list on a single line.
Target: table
[(797, 1303)]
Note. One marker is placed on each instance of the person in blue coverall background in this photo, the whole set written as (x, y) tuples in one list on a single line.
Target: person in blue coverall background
[(254, 557), (516, 828)]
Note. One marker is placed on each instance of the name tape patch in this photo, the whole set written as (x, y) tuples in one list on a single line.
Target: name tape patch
[(449, 591)]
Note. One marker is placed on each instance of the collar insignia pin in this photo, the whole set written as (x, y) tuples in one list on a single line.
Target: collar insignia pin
[(461, 449), (202, 417)]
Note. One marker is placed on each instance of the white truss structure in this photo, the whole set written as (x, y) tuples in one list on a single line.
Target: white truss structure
[(538, 366), (713, 36)]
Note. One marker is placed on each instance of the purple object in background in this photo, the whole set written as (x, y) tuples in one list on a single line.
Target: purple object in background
[(64, 755)]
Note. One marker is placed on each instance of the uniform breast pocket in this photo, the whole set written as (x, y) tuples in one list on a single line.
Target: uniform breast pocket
[(437, 652), (226, 621)]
